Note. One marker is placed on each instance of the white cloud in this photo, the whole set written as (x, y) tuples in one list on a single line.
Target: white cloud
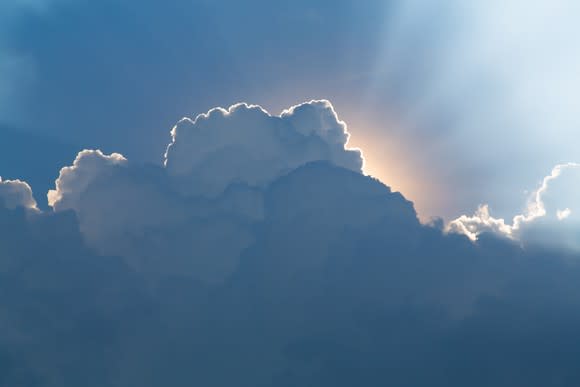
[(16, 193), (74, 180), (172, 218), (563, 214), (480, 222), (133, 211), (246, 144)]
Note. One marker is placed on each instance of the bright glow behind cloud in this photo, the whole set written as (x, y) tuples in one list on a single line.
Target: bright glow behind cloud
[(467, 78)]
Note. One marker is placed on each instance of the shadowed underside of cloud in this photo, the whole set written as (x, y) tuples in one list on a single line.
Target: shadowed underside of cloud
[(287, 267)]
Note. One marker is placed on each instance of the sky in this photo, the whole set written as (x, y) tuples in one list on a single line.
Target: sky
[(444, 97), (315, 193)]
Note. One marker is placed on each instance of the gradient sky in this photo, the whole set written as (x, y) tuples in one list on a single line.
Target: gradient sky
[(443, 97)]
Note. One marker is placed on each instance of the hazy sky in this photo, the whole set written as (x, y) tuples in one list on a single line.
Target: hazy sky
[(443, 97)]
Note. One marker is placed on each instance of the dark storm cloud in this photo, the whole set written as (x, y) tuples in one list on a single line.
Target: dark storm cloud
[(314, 276)]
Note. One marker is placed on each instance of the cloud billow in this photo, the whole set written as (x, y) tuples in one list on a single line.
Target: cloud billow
[(246, 144), (209, 188), (249, 260), (16, 193)]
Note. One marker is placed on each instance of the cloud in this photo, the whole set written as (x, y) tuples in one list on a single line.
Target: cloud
[(482, 221), (292, 269), (208, 190), (563, 214), (133, 211), (248, 145), (40, 171), (16, 193), (56, 293), (75, 179)]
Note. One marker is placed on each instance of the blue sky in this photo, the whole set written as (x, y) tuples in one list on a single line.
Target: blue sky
[(443, 98)]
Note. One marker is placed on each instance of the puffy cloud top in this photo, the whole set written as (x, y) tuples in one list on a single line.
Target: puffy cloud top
[(246, 144), (210, 187), (74, 180), (16, 193)]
